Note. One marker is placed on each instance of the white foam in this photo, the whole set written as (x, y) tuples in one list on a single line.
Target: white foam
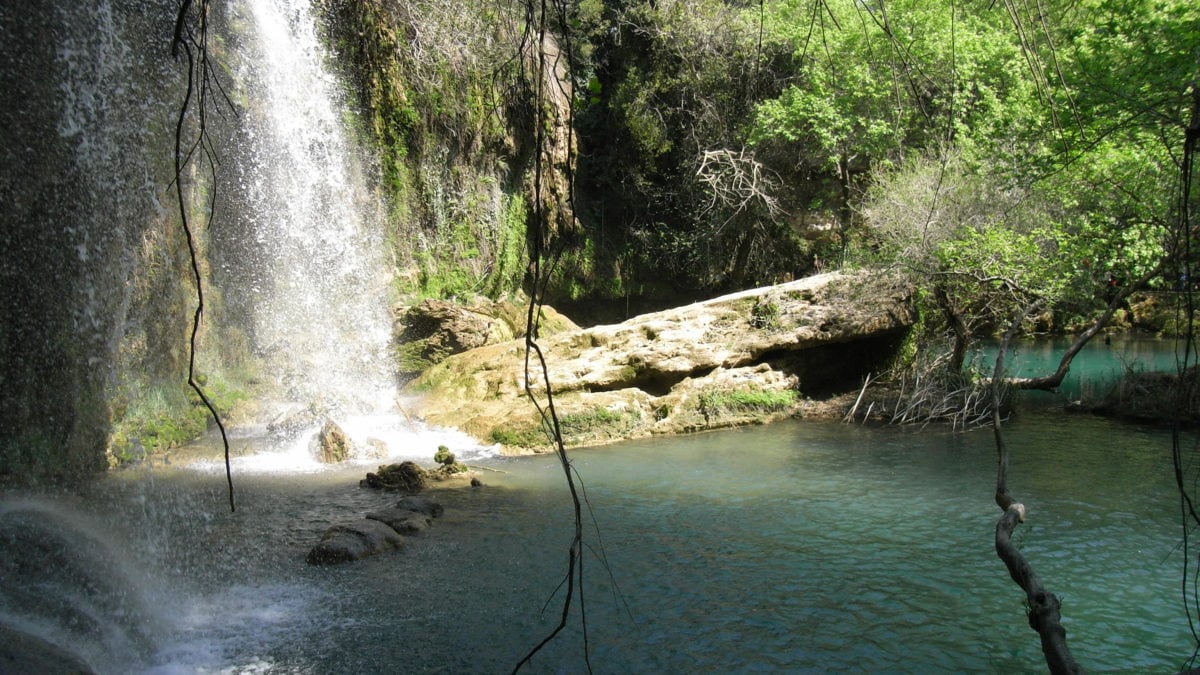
[(403, 439)]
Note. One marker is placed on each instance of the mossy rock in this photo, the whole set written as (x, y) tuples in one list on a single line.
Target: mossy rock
[(403, 476)]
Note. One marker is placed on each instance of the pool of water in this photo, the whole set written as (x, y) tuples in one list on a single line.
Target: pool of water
[(1093, 371), (798, 547)]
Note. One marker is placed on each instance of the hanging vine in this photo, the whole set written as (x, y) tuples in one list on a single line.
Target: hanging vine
[(191, 40), (543, 59), (1189, 517)]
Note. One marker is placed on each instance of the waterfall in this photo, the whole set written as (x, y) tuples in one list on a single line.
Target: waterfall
[(313, 281), (318, 287)]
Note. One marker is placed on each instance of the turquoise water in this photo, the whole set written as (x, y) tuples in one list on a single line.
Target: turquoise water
[(797, 547), (1094, 369)]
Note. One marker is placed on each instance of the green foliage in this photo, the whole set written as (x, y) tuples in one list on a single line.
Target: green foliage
[(672, 81), (764, 315), (449, 464), (874, 85), (437, 86), (591, 421)]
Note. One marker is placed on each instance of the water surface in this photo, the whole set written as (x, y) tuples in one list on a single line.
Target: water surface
[(799, 547)]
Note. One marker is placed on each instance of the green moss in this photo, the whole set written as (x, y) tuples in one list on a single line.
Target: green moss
[(716, 402), (164, 416), (598, 423), (764, 314), (520, 437)]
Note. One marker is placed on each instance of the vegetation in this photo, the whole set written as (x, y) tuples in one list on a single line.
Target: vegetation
[(715, 403)]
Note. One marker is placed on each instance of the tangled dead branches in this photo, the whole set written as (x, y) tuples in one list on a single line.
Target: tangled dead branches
[(738, 182)]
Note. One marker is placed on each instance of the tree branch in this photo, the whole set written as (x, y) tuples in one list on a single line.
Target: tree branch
[(1044, 615)]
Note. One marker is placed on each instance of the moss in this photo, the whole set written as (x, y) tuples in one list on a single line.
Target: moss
[(718, 402), (598, 423), (520, 437), (764, 314), (156, 418)]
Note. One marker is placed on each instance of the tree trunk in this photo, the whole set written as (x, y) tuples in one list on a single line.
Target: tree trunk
[(1044, 615), (962, 334), (1044, 607)]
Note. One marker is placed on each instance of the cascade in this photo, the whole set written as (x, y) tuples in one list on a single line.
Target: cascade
[(314, 281), (318, 290), (61, 581)]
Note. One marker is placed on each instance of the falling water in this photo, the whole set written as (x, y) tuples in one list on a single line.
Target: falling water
[(316, 289), (319, 290)]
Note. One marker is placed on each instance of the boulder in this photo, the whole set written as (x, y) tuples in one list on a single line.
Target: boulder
[(434, 329), (431, 331), (423, 505), (377, 448), (403, 476), (295, 418), (332, 444), (344, 543), (758, 352), (404, 521)]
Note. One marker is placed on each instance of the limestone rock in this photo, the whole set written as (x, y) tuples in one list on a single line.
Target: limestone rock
[(332, 444), (377, 448), (762, 348), (433, 330), (344, 543), (290, 421), (403, 521), (424, 505)]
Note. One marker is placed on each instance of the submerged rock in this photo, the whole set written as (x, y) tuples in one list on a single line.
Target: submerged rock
[(344, 543), (403, 521), (423, 505), (380, 531)]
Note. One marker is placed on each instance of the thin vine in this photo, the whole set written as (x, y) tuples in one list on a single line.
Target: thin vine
[(541, 264), (191, 39), (1187, 381)]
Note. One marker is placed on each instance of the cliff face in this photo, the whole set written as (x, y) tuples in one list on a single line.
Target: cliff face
[(736, 359), (92, 267)]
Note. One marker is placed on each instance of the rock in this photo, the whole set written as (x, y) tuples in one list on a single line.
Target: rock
[(764, 349), (377, 448), (344, 543), (332, 444), (424, 505), (404, 521), (403, 476), (22, 652), (295, 419), (449, 464), (433, 330)]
